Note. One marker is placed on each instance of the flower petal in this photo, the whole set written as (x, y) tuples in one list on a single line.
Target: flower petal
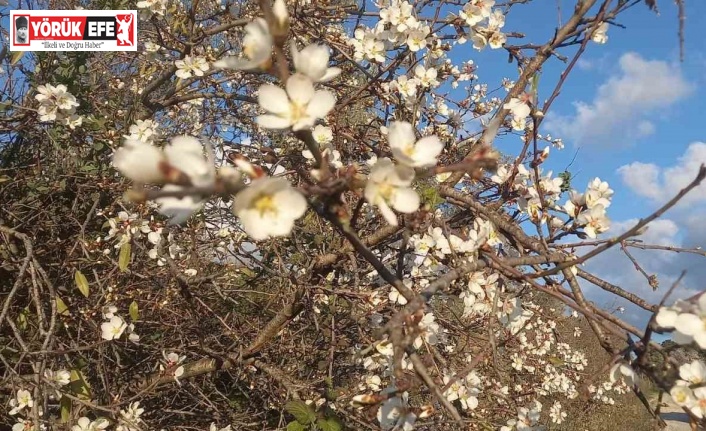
[(273, 99), (321, 104), (406, 200), (300, 89), (273, 122)]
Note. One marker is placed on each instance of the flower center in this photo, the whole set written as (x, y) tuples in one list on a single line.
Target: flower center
[(249, 49), (265, 204), (386, 191), (296, 111)]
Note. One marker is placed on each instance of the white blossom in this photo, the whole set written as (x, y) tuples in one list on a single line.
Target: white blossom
[(113, 329), (410, 151), (257, 48), (389, 186), (298, 107), (599, 34), (191, 66), (312, 61), (268, 207)]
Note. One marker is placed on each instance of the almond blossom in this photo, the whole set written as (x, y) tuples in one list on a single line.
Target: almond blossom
[(426, 77), (143, 130), (410, 151), (417, 38), (85, 424), (298, 107), (389, 186), (55, 102), (268, 207), (594, 221), (23, 399), (312, 61), (322, 135), (191, 66), (476, 11), (130, 418), (687, 319), (257, 48), (113, 329), (519, 110), (598, 193), (399, 15), (599, 35)]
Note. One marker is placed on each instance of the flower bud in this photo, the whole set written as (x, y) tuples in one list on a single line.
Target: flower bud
[(281, 15)]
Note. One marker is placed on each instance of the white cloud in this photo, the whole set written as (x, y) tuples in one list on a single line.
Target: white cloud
[(661, 184), (618, 114), (659, 232)]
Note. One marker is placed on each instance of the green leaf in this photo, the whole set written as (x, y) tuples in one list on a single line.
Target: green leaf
[(329, 424), (22, 319), (556, 361), (65, 407), (295, 426), (124, 258), (247, 271), (134, 311), (82, 283), (61, 307), (301, 411), (79, 386)]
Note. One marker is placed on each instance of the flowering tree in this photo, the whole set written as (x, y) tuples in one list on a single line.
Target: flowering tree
[(276, 215)]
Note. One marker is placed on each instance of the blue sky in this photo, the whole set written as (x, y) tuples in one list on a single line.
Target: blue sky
[(632, 100)]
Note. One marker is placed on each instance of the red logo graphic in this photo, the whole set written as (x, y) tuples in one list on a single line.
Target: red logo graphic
[(126, 36)]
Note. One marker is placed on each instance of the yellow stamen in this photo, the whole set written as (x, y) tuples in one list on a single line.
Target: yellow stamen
[(265, 204)]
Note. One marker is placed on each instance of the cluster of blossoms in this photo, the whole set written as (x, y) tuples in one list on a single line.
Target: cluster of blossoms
[(151, 7), (477, 11), (622, 378), (465, 390), (532, 201), (143, 130), (689, 391), (22, 400), (686, 320), (57, 104), (527, 419), (128, 227), (172, 365), (519, 109), (389, 185), (588, 210), (547, 367), (130, 418), (114, 326), (399, 27), (86, 424)]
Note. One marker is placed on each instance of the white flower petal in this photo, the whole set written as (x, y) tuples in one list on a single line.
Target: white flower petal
[(273, 99), (321, 104)]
